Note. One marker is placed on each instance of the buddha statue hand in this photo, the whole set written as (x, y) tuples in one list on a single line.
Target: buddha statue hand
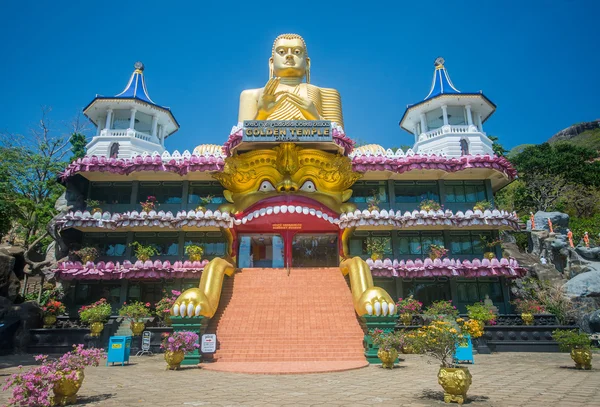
[(268, 102), (368, 299), (306, 106), (204, 301)]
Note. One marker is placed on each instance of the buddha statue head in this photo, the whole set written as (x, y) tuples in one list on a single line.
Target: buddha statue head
[(289, 58)]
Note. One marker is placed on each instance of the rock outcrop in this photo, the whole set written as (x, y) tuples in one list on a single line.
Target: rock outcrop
[(560, 221), (574, 130)]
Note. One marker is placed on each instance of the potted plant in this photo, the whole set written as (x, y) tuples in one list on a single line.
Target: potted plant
[(204, 201), (95, 205), (441, 310), (430, 205), (376, 247), (437, 251), (163, 307), (482, 312), (176, 345), (87, 254), (482, 205), (373, 201), (407, 308), (490, 244), (578, 343), (136, 312), (63, 377), (95, 315), (389, 343), (143, 253), (527, 308), (440, 340), (51, 309), (194, 252), (149, 204)]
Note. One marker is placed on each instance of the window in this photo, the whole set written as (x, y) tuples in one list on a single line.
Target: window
[(358, 243), (418, 243), (165, 243), (464, 147), (199, 190), (435, 119), (365, 191), (114, 150), (165, 192), (465, 191), (469, 242), (108, 244), (111, 192), (415, 192), (427, 290), (213, 243), (457, 116)]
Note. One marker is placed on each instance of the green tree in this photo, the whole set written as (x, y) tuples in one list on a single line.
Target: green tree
[(78, 142), (497, 147)]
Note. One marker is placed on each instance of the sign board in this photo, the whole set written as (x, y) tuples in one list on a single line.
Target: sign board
[(209, 343), (117, 346), (287, 130), (146, 336), (287, 226)]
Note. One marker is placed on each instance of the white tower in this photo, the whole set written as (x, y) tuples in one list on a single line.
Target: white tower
[(447, 120), (129, 123)]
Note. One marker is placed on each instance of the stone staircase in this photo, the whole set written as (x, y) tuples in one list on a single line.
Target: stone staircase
[(268, 316), (124, 328)]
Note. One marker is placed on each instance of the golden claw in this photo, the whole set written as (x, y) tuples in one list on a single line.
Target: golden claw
[(204, 300), (368, 299)]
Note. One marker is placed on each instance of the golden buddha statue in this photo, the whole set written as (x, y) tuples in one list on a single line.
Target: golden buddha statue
[(286, 96)]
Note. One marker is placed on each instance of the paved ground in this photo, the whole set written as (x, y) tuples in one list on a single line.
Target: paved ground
[(506, 379)]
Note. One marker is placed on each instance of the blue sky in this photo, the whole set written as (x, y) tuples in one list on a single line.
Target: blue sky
[(537, 61)]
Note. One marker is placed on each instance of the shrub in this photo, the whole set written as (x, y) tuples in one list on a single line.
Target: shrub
[(437, 251), (481, 312), (482, 205), (135, 311), (387, 340), (430, 205), (53, 307), (528, 306), (163, 307), (571, 339), (409, 306), (97, 312), (143, 253), (181, 340), (440, 309), (439, 339)]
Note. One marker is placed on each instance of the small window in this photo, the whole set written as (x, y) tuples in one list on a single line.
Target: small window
[(415, 192), (114, 150), (367, 191), (418, 243), (464, 147), (465, 191), (165, 192)]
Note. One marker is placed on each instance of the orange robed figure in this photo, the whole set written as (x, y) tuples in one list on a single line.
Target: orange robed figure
[(586, 239), (570, 237)]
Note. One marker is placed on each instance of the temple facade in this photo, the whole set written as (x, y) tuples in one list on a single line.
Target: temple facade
[(297, 194)]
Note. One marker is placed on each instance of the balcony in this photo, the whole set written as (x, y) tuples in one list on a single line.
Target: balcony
[(129, 133), (449, 129)]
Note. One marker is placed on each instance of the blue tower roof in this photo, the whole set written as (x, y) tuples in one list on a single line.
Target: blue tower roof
[(441, 83), (136, 87)]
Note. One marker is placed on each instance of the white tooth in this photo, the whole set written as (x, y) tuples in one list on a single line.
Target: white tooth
[(269, 210), (298, 209), (276, 210), (198, 309), (190, 309), (250, 217), (305, 210), (237, 221), (384, 307), (392, 308), (262, 212), (369, 308), (377, 308), (175, 310), (182, 309), (313, 212), (256, 214), (244, 220), (284, 209), (291, 209), (319, 214)]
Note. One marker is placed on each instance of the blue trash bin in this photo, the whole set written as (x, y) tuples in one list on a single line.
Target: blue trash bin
[(465, 353), (119, 348)]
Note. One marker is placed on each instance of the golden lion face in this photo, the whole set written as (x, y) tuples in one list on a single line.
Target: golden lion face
[(287, 174)]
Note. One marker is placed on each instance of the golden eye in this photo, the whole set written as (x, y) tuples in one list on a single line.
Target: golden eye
[(281, 52), (297, 52), (308, 186), (266, 186)]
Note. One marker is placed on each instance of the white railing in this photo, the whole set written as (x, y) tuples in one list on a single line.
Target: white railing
[(129, 133), (448, 129)]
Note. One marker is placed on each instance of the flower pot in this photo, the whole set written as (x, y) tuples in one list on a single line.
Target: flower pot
[(406, 318), (96, 328), (195, 257), (582, 358), (174, 359), (65, 390), (96, 210), (86, 259), (387, 358), (376, 256), (167, 320), (489, 255), (137, 328), (527, 318), (455, 382), (49, 321)]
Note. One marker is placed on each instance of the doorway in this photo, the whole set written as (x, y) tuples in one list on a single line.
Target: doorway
[(264, 250)]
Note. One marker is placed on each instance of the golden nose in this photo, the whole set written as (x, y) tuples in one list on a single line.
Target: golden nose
[(287, 186)]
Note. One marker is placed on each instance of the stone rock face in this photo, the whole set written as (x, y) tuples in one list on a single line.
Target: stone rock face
[(560, 221), (532, 263), (574, 130), (584, 285), (9, 283), (591, 322)]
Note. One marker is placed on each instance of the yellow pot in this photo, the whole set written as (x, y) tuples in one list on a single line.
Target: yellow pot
[(174, 359), (527, 318), (167, 320), (49, 321), (96, 210), (85, 259), (65, 390), (455, 382), (195, 257), (96, 328), (387, 358), (137, 328), (489, 255), (582, 358), (406, 318), (375, 256)]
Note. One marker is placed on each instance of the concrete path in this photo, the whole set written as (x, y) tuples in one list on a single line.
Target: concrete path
[(504, 379)]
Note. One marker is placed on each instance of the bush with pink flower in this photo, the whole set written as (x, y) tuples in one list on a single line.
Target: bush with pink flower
[(409, 305), (163, 307), (441, 309), (33, 388), (135, 311), (185, 341)]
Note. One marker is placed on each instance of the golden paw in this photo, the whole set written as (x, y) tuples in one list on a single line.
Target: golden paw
[(192, 303), (376, 301)]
